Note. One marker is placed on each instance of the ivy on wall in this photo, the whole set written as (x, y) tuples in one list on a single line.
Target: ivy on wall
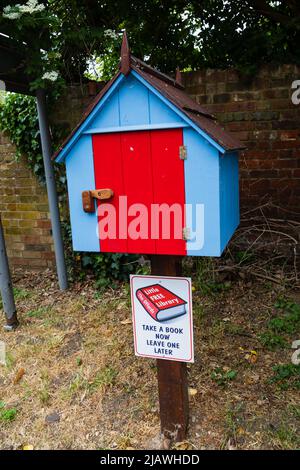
[(18, 118)]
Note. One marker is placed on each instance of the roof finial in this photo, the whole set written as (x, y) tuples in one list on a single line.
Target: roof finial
[(125, 55), (178, 77)]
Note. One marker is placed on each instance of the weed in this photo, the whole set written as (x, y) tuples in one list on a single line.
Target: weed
[(222, 376), (21, 293), (279, 327), (287, 376), (103, 378), (10, 360), (272, 341), (43, 392), (7, 414)]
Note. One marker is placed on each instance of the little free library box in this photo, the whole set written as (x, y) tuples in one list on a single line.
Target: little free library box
[(149, 170)]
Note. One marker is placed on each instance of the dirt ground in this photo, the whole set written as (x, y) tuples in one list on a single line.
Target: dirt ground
[(71, 380)]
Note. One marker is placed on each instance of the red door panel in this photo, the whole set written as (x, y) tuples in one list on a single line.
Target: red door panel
[(137, 176), (169, 188), (109, 174), (144, 168)]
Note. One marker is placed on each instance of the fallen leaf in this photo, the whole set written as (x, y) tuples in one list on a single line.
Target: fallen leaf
[(184, 445), (128, 321), (192, 391), (18, 376), (28, 447)]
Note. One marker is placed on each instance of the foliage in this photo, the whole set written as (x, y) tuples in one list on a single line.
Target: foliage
[(286, 376), (19, 119), (75, 34), (110, 267)]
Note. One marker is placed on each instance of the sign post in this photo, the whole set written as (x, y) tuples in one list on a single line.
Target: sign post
[(171, 375)]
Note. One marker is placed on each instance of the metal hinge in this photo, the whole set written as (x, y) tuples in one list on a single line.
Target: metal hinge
[(186, 233), (182, 152)]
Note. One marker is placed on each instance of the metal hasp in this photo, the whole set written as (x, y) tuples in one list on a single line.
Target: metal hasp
[(172, 375), (51, 190), (6, 289)]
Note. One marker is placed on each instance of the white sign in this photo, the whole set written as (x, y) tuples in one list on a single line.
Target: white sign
[(162, 317)]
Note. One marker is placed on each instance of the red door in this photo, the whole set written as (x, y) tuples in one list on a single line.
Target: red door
[(147, 176)]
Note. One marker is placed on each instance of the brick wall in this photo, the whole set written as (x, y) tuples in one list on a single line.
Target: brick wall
[(24, 210), (261, 114)]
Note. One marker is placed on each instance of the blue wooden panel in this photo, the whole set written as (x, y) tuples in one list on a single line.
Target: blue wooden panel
[(140, 127), (160, 113), (80, 176), (229, 196), (107, 116), (202, 195), (134, 102)]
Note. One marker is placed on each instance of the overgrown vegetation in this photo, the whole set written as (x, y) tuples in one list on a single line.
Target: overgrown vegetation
[(210, 33), (282, 326)]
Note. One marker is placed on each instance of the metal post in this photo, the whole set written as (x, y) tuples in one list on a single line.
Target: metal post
[(51, 189), (172, 376), (6, 289)]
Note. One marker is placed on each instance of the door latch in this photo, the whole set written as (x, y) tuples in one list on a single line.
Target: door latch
[(88, 197)]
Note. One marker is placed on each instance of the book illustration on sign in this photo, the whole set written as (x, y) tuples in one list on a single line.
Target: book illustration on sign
[(161, 304)]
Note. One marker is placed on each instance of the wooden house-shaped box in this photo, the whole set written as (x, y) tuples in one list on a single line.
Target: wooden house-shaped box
[(145, 141)]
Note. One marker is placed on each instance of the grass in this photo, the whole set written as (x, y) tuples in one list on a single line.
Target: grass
[(108, 398), (81, 383), (37, 313)]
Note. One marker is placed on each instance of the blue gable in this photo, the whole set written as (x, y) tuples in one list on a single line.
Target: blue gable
[(132, 103)]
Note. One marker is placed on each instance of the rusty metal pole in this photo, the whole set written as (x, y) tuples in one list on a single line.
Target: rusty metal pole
[(6, 289), (172, 375)]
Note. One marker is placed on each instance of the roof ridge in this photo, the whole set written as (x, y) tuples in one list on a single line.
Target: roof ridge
[(155, 72)]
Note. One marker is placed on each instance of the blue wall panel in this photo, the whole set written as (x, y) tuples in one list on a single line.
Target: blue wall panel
[(229, 196), (202, 192), (134, 103), (108, 116), (160, 113), (80, 176)]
